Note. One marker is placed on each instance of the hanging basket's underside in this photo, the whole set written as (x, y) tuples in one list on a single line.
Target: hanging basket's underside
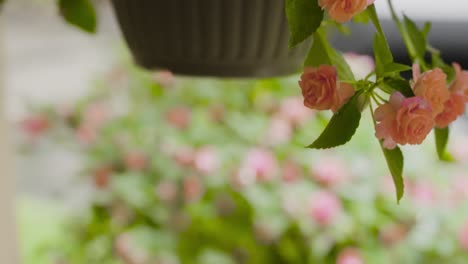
[(226, 38)]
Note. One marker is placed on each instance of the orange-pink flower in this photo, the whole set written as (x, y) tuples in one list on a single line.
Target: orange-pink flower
[(322, 90), (403, 121), (432, 87), (460, 84), (343, 10), (454, 108)]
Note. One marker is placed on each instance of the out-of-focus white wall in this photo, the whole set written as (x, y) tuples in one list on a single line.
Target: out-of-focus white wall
[(447, 10), (48, 61)]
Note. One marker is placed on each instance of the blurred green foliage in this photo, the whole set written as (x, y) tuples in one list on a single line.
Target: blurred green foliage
[(215, 171)]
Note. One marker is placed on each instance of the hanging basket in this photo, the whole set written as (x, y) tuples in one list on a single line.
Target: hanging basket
[(230, 38)]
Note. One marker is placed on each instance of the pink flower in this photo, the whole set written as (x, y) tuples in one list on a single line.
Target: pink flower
[(193, 188), (329, 171), (463, 237), (35, 126), (279, 132), (293, 110), (206, 160), (325, 208), (403, 121), (322, 90), (135, 160), (95, 115), (128, 251), (432, 87), (217, 113), (164, 78), (184, 156), (460, 84), (393, 234), (166, 191), (102, 176), (350, 256), (343, 10), (423, 193), (291, 171), (453, 108), (179, 117), (458, 190), (260, 163), (86, 134)]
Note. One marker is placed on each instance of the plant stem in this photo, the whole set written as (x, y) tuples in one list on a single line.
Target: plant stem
[(372, 114)]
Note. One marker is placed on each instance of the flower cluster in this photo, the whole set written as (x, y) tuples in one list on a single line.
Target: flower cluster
[(409, 120)]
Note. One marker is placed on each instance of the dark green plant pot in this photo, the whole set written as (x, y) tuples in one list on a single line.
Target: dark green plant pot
[(226, 38)]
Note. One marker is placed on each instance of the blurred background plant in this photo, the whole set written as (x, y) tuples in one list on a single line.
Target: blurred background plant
[(191, 170)]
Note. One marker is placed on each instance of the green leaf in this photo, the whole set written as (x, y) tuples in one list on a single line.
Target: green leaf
[(79, 13), (441, 139), (372, 13), (395, 162), (322, 53), (383, 54), (344, 71), (304, 17), (416, 37), (341, 127), (318, 54), (398, 84), (394, 67), (362, 18), (426, 29)]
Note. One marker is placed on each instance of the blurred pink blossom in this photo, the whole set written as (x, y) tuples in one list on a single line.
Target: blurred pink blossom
[(164, 78), (279, 132), (329, 171), (36, 125), (350, 256), (423, 193), (167, 191), (206, 160), (325, 207), (291, 171), (184, 156), (241, 178), (193, 188), (179, 117), (135, 160), (128, 251), (260, 163), (86, 134), (95, 115), (361, 65), (463, 236), (102, 175), (293, 110), (393, 234), (459, 188), (217, 112)]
